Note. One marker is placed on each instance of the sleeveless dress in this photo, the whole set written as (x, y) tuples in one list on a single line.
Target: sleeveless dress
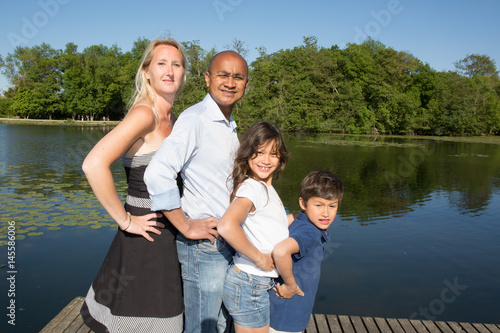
[(139, 286)]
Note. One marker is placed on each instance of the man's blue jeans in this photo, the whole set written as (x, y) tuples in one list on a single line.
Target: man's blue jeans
[(204, 268)]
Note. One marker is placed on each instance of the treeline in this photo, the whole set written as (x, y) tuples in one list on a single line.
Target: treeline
[(364, 88)]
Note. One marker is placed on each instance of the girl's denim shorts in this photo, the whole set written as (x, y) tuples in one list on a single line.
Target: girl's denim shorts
[(246, 297)]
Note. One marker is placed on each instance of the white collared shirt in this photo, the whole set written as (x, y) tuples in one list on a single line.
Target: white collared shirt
[(202, 148)]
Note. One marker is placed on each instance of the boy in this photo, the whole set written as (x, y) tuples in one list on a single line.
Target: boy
[(292, 301)]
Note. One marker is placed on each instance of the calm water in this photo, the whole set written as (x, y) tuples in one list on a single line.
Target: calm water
[(417, 234)]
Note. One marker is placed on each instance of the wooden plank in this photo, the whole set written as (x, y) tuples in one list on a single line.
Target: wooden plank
[(65, 317), (492, 328), (455, 327), (321, 323), (382, 324), (442, 326), (408, 327), (481, 328), (311, 326), (334, 323), (370, 324), (359, 327), (468, 328), (431, 326), (74, 313), (84, 329), (69, 320), (75, 325), (395, 326), (420, 327), (345, 322)]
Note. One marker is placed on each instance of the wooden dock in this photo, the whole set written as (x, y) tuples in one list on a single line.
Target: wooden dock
[(70, 321)]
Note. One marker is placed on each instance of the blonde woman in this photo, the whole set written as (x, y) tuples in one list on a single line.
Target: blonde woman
[(138, 287)]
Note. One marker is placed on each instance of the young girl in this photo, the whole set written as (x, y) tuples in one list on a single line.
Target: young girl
[(254, 222)]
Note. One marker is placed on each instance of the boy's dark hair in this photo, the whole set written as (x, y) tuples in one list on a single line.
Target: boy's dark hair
[(322, 184)]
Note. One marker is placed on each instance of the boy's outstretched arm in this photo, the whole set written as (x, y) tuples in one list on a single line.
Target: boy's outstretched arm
[(282, 255)]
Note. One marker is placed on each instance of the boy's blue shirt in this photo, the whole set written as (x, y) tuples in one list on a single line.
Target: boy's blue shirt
[(293, 314)]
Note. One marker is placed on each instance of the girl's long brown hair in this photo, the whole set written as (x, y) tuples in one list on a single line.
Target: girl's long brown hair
[(254, 137)]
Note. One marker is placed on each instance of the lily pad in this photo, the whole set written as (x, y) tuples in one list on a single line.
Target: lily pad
[(53, 228)]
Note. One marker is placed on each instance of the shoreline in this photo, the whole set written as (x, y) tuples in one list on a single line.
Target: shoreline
[(55, 122), (489, 139)]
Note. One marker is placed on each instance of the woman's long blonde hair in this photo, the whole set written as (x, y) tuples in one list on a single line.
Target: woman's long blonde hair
[(143, 90)]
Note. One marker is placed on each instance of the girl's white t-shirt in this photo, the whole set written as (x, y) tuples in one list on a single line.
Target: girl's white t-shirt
[(265, 227)]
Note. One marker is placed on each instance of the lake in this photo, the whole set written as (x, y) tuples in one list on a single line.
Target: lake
[(416, 236)]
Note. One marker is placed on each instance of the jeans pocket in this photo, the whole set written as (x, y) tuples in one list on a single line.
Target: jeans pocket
[(231, 295), (208, 248), (183, 255), (218, 247)]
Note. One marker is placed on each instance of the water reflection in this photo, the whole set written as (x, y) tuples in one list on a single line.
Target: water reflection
[(390, 176), (43, 185), (416, 212)]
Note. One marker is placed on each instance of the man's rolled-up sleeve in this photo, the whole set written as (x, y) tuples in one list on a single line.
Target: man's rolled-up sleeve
[(161, 174)]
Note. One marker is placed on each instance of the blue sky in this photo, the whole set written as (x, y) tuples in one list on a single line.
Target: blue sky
[(436, 32)]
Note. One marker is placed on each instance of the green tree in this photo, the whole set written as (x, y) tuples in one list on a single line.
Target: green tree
[(101, 87), (477, 65), (72, 80), (357, 63), (258, 93), (385, 78), (424, 84), (364, 88), (238, 46), (296, 88), (464, 106), (195, 89), (5, 106), (129, 64), (35, 69)]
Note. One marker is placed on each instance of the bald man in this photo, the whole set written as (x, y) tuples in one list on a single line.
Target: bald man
[(201, 148)]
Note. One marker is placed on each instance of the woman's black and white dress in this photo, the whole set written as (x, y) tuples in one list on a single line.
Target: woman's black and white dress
[(139, 286)]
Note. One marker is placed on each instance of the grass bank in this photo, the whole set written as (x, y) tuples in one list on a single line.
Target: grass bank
[(20, 121)]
